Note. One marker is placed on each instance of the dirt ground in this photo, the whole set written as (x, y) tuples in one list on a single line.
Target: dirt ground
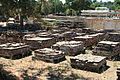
[(34, 66)]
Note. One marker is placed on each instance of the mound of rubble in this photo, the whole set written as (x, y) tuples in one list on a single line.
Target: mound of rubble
[(70, 47), (49, 55)]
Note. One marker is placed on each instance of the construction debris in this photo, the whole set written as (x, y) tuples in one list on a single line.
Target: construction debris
[(11, 36), (49, 55), (71, 23), (77, 30), (97, 37), (87, 40), (68, 35), (29, 36), (87, 30), (107, 48), (58, 37), (118, 73), (40, 42), (89, 62), (64, 36), (65, 23), (115, 37), (80, 34), (70, 47), (90, 40), (44, 34), (57, 31), (11, 50)]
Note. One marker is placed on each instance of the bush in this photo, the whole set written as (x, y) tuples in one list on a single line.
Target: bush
[(71, 12)]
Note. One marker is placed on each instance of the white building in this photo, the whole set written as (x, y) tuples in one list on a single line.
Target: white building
[(98, 12)]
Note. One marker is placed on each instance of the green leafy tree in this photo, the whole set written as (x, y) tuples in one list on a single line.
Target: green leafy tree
[(78, 5), (94, 1), (44, 7), (117, 4), (26, 6), (71, 12), (8, 6), (11, 7), (94, 5), (56, 6)]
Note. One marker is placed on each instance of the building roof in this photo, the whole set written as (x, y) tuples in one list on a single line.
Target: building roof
[(101, 8), (95, 11)]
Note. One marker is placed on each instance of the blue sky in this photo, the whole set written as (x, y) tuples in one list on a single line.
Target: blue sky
[(97, 0)]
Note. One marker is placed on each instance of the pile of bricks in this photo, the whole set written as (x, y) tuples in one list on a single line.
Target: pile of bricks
[(87, 40), (10, 50), (49, 55), (107, 48), (68, 35), (97, 37), (40, 42), (44, 34), (65, 23), (89, 62), (58, 37), (118, 73), (70, 47), (90, 40), (11, 36), (87, 30), (115, 37)]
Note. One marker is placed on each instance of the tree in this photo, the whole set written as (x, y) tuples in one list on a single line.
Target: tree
[(11, 7), (44, 7), (8, 6), (109, 5), (56, 6), (94, 1), (79, 5), (87, 4), (117, 4), (26, 6), (71, 12), (94, 5)]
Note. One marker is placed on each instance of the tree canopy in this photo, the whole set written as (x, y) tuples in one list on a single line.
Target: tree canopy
[(45, 7)]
